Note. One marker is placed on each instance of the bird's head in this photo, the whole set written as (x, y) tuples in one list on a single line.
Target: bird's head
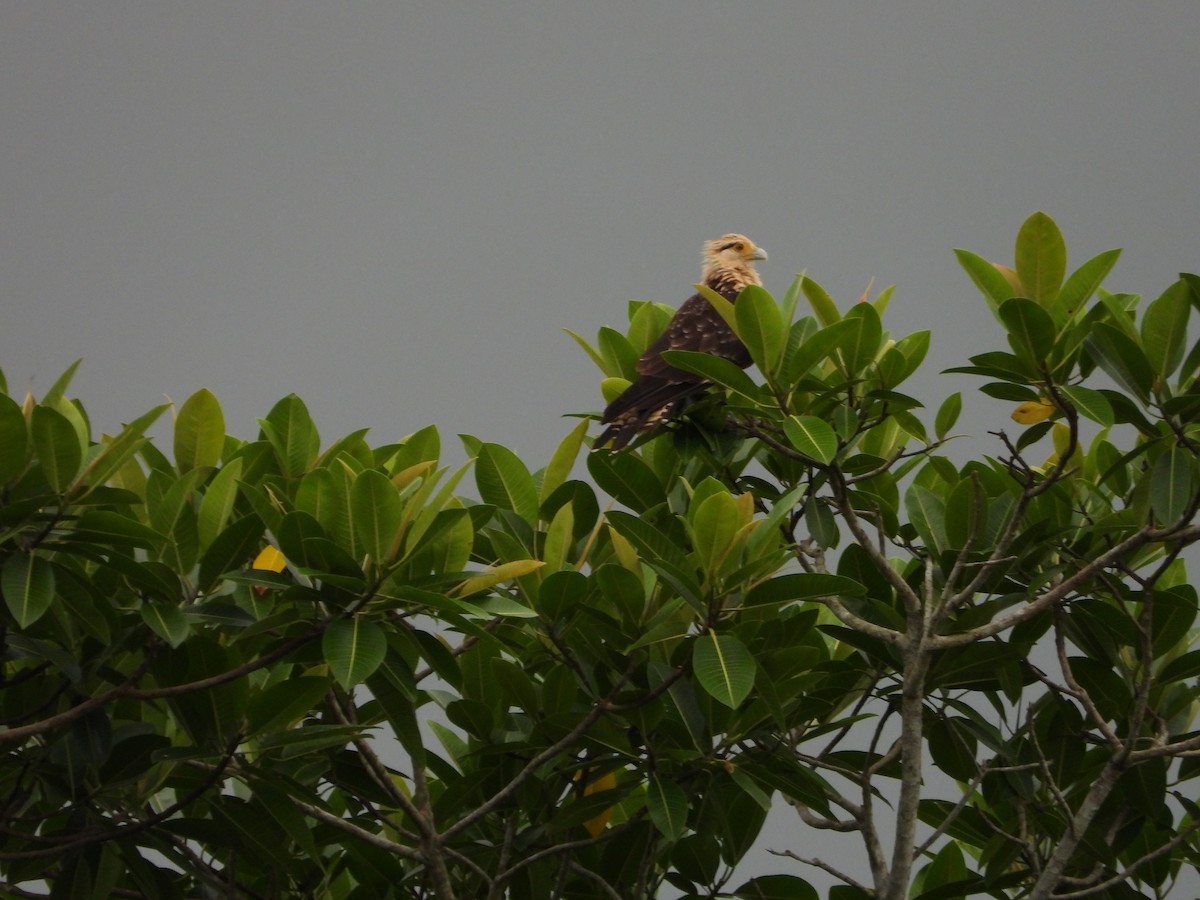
[(731, 251)]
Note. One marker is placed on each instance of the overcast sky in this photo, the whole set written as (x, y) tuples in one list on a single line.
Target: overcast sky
[(393, 208)]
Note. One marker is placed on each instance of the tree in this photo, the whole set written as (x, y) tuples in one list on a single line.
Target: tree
[(264, 669)]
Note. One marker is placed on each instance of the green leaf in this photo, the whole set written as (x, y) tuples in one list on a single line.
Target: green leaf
[(118, 451), (1172, 484), (821, 302), (58, 390), (231, 549), (103, 526), (619, 356), (168, 622), (290, 430), (1081, 284), (714, 368), (217, 505), (1090, 403), (860, 346), (802, 586), (991, 283), (377, 513), (714, 525), (667, 804), (812, 436), (724, 667), (353, 648), (1041, 258), (760, 326), (57, 446), (1123, 360), (280, 705), (1180, 668), (776, 887), (627, 479), (504, 481), (563, 460), (28, 585), (947, 415), (1030, 329), (591, 352), (14, 439), (199, 432), (926, 512), (1164, 329)]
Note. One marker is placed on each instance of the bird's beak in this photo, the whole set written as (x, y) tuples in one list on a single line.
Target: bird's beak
[(759, 253)]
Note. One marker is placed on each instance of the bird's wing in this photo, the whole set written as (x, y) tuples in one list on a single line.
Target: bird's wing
[(696, 326)]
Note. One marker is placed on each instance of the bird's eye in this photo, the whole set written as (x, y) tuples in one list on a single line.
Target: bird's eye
[(739, 246)]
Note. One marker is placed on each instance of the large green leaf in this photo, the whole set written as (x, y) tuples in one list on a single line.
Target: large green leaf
[(991, 283), (218, 501), (822, 304), (1090, 403), (667, 804), (776, 887), (57, 446), (1164, 329), (1041, 258), (761, 327), (812, 436), (714, 525), (167, 621), (802, 586), (353, 648), (377, 512), (280, 705), (1123, 360), (28, 585), (926, 512), (724, 667), (861, 344), (1172, 484), (199, 431), (504, 481), (947, 415), (290, 430), (1030, 329), (627, 479), (1081, 284), (563, 460), (230, 550), (714, 368), (14, 439)]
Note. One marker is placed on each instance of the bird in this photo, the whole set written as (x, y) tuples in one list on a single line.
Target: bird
[(661, 389)]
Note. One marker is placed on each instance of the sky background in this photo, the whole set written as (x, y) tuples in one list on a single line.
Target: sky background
[(393, 209)]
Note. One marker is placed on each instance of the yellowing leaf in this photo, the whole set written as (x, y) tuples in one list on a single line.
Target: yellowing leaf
[(1033, 411), (405, 477), (605, 782), (497, 574), (269, 560)]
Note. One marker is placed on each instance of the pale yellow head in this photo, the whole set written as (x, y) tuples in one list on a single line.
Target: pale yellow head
[(731, 251)]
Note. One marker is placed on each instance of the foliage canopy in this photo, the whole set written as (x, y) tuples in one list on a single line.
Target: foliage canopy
[(281, 668)]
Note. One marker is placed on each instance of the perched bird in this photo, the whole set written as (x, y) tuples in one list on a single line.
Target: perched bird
[(661, 388)]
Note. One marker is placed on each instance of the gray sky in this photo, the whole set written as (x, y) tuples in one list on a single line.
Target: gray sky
[(393, 208)]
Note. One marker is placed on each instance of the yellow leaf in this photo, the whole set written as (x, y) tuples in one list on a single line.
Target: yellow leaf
[(270, 560), (1033, 411), (1011, 277), (405, 477), (626, 554), (505, 572), (605, 782)]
